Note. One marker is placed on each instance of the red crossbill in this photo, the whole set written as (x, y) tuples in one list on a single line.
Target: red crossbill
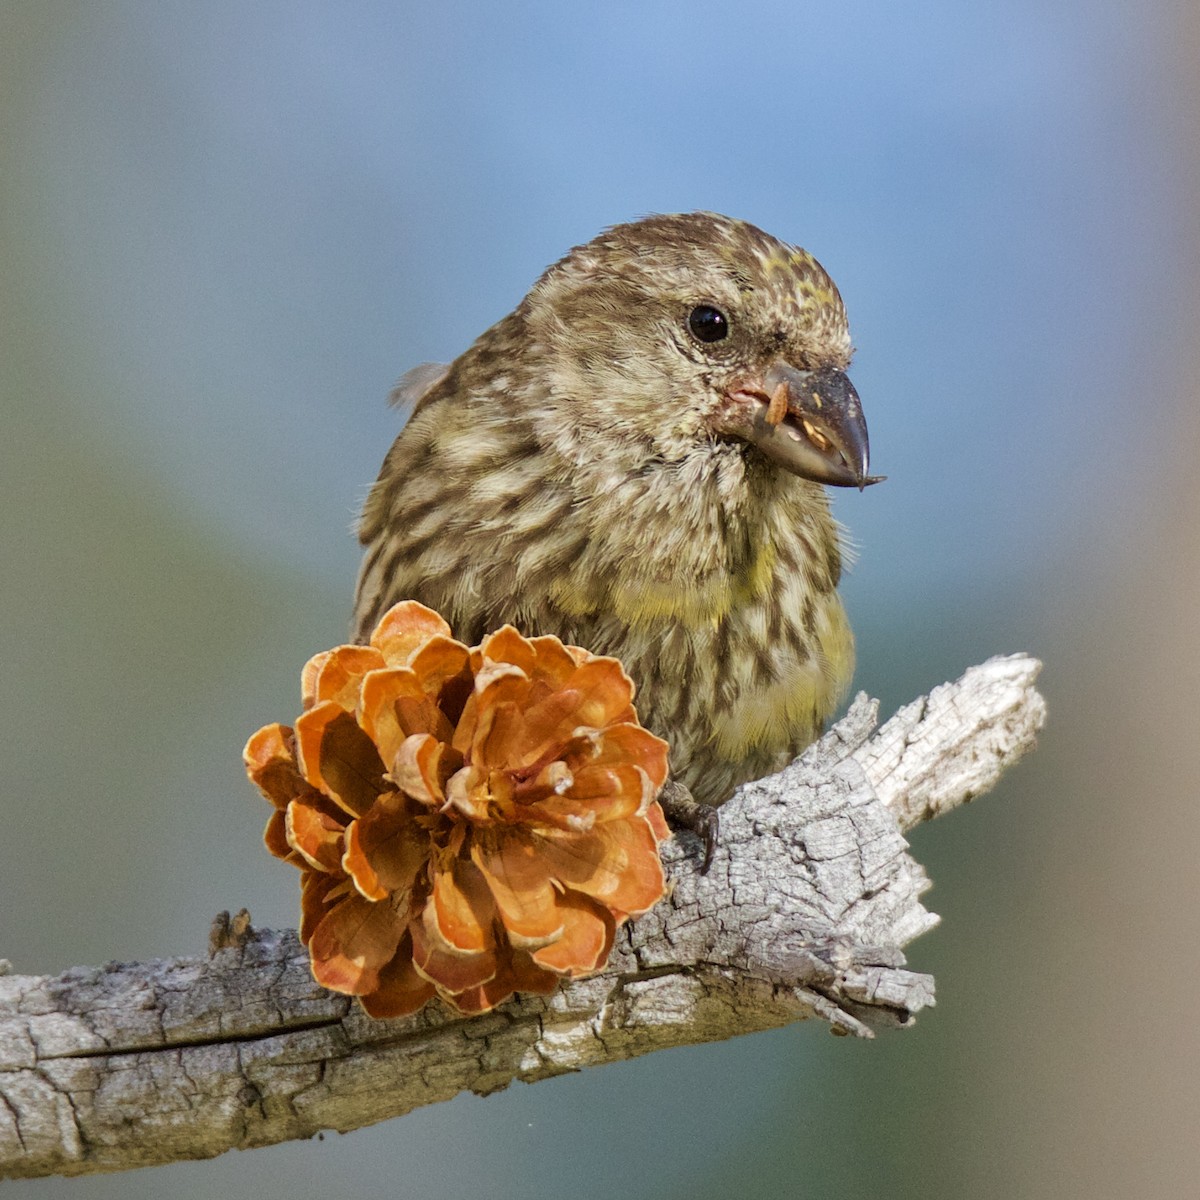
[(633, 460)]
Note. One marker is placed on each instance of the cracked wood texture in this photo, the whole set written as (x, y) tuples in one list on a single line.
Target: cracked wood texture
[(810, 898)]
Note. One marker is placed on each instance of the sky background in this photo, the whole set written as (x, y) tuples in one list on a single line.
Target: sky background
[(226, 230)]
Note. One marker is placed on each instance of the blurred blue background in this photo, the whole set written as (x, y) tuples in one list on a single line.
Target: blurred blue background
[(226, 229)]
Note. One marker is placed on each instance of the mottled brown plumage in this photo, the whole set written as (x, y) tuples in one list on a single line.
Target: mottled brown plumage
[(600, 467)]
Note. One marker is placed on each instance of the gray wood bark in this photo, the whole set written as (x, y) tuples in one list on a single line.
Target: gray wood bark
[(810, 899)]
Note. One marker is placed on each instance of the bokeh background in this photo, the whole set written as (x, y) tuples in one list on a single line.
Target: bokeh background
[(228, 228)]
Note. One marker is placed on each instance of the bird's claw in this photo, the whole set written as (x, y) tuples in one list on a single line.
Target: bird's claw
[(684, 811)]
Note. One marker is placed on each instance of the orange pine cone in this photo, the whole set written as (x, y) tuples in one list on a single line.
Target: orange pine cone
[(470, 822)]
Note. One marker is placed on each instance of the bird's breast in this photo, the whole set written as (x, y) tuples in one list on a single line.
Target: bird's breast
[(653, 589), (738, 669)]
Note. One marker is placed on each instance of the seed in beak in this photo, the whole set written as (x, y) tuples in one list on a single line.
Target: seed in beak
[(777, 408), (815, 436)]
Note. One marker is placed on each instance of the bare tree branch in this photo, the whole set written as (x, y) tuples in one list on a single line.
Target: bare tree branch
[(810, 899)]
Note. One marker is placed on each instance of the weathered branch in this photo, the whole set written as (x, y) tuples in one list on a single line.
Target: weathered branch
[(810, 898)]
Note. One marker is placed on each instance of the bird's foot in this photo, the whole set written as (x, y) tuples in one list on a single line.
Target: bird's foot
[(684, 811)]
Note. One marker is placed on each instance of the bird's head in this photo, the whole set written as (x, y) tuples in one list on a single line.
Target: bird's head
[(698, 330)]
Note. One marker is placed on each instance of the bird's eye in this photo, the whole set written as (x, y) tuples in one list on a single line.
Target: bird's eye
[(708, 324)]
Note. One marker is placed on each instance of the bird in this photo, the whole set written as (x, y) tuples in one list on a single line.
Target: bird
[(635, 460)]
